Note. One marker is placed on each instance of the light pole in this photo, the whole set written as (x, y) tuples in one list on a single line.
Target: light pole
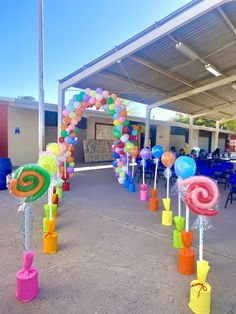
[(41, 76)]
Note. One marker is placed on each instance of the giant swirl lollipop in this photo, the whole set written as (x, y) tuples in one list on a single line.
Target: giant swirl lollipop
[(201, 197), (29, 183)]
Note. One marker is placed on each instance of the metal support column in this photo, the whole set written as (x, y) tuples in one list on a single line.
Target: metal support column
[(191, 132), (61, 102), (216, 140), (147, 127)]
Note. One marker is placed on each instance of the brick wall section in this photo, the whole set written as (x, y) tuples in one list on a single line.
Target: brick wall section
[(3, 129)]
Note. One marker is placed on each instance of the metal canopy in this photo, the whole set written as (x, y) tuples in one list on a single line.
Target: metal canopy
[(151, 69)]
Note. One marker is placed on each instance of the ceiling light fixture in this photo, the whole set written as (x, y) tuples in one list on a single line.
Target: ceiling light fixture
[(186, 51), (212, 70)]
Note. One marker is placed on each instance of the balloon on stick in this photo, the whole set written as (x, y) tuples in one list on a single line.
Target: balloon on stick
[(185, 167), (144, 154), (167, 159), (157, 152)]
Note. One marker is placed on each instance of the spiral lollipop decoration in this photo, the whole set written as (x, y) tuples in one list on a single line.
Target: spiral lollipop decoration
[(201, 195), (29, 182)]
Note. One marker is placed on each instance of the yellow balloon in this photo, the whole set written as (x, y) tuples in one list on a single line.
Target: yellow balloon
[(116, 122), (48, 162), (112, 107), (54, 148)]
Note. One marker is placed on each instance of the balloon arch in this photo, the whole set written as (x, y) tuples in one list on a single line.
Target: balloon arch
[(125, 136)]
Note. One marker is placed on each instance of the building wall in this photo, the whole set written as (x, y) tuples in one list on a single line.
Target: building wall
[(163, 136), (178, 141), (22, 147), (195, 138)]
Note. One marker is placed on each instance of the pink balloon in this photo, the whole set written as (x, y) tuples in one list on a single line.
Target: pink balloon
[(117, 102), (71, 127), (122, 119), (65, 113), (105, 93), (74, 121), (92, 100)]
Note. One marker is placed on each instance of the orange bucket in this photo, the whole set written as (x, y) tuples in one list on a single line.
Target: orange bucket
[(186, 254)]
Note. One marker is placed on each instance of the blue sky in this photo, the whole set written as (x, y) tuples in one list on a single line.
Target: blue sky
[(76, 32)]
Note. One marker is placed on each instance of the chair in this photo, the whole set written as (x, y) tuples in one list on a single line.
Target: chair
[(148, 170), (219, 174), (232, 183), (206, 171)]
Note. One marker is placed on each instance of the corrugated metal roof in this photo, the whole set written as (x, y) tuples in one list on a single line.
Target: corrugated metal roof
[(160, 70)]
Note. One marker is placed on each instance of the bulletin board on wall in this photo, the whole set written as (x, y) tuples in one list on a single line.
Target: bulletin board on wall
[(103, 131)]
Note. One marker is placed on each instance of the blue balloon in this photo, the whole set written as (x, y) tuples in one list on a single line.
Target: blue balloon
[(115, 155), (157, 151), (185, 167)]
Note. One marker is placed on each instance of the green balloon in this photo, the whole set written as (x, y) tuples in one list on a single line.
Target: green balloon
[(76, 130), (126, 123), (63, 133), (109, 100), (117, 134), (111, 112), (80, 96)]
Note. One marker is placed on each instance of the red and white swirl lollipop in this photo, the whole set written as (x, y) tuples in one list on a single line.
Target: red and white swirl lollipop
[(202, 195)]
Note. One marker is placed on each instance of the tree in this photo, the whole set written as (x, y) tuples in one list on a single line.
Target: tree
[(230, 125), (198, 121), (26, 97)]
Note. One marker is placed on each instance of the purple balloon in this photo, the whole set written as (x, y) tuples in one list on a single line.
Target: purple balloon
[(99, 90), (123, 159), (145, 153), (70, 170), (86, 97), (116, 175)]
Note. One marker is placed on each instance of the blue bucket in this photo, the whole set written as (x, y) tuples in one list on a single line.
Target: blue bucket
[(5, 169)]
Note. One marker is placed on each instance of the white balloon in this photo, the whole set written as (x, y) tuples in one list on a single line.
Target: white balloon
[(77, 104), (124, 169), (124, 138), (99, 97)]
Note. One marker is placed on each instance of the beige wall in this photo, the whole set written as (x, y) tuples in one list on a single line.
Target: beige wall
[(178, 141), (195, 138), (23, 147), (163, 136)]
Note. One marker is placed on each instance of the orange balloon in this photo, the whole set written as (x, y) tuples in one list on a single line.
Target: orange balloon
[(78, 112), (123, 113), (84, 105), (70, 159), (134, 152), (64, 127), (168, 159), (67, 120)]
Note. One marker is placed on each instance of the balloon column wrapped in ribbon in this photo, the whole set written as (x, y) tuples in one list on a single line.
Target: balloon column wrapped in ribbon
[(157, 152), (168, 159), (127, 150), (144, 154), (29, 183), (49, 162), (185, 167), (201, 195)]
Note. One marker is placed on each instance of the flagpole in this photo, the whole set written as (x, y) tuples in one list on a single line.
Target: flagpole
[(41, 121)]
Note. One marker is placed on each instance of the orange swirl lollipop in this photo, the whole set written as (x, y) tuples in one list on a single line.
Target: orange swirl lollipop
[(29, 182)]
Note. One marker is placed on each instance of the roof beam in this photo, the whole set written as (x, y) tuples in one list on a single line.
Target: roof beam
[(118, 78), (183, 18), (195, 91), (227, 20), (207, 112), (175, 77)]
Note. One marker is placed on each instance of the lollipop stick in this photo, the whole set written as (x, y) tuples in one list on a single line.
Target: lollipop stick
[(143, 172), (155, 177), (133, 167), (179, 204), (26, 218), (168, 185), (187, 219), (65, 166), (50, 190), (127, 170), (200, 238)]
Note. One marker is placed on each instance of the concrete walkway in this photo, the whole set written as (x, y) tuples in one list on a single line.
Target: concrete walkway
[(114, 256)]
